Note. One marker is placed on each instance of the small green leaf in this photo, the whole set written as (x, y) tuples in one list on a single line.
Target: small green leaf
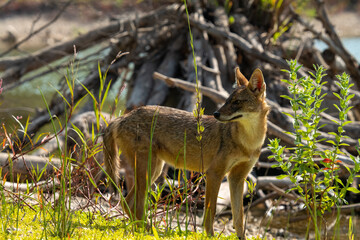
[(331, 142), (288, 114), (354, 190), (286, 97), (337, 95), (231, 20), (282, 176)]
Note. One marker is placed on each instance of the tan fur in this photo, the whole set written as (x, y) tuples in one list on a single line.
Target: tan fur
[(231, 145)]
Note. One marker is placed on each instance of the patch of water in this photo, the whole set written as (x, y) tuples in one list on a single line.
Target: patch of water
[(351, 44), (24, 100)]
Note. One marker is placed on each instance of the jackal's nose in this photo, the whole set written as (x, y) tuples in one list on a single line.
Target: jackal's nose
[(216, 114)]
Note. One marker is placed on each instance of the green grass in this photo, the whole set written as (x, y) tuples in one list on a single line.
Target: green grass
[(28, 223)]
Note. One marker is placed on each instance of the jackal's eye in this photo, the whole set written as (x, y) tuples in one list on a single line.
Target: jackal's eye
[(236, 104)]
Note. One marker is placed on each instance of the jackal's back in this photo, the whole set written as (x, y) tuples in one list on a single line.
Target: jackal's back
[(174, 131)]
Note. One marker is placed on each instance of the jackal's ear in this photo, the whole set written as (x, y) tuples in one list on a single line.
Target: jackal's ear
[(240, 78), (257, 83)]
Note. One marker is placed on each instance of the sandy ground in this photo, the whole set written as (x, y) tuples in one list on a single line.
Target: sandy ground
[(347, 24), (15, 28)]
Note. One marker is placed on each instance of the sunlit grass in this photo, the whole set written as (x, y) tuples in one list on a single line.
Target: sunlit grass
[(28, 223)]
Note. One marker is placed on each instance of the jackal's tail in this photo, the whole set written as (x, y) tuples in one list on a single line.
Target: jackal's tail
[(111, 155)]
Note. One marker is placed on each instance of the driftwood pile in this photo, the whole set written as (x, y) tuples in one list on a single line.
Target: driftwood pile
[(157, 65)]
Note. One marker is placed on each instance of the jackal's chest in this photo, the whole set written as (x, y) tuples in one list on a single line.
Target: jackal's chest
[(249, 158)]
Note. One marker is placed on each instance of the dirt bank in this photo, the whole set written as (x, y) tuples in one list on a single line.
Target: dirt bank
[(346, 23)]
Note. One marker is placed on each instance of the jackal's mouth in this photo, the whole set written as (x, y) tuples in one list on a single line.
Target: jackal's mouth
[(236, 117), (223, 118)]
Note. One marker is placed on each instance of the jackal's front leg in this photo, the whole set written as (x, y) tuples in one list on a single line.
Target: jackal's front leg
[(213, 181), (236, 180)]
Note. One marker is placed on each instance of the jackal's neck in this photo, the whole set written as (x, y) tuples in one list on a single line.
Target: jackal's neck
[(252, 130)]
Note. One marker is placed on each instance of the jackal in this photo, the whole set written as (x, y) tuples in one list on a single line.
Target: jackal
[(231, 144)]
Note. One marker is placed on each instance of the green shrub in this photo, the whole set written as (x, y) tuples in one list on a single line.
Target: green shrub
[(318, 193)]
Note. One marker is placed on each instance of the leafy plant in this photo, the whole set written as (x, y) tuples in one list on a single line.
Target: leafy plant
[(318, 193), (60, 223)]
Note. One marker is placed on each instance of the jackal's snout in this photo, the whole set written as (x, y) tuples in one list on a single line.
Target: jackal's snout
[(222, 116)]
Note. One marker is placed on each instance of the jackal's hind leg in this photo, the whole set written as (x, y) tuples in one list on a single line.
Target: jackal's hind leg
[(129, 172), (137, 195)]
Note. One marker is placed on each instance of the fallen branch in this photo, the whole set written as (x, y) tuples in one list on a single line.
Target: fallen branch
[(344, 209), (244, 45), (169, 66), (29, 187), (263, 182), (28, 166), (15, 67), (216, 96), (281, 192)]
